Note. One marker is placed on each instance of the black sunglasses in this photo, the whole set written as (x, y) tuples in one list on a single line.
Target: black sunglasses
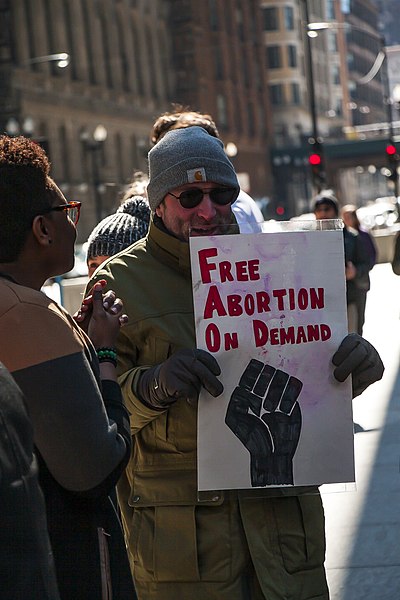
[(192, 197), (73, 210)]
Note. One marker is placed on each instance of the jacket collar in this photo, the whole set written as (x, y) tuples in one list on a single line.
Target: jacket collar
[(168, 249), (171, 251)]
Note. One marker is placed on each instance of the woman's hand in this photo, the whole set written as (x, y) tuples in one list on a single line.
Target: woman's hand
[(101, 316)]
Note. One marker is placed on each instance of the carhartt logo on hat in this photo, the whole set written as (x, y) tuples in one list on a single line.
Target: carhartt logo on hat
[(195, 175)]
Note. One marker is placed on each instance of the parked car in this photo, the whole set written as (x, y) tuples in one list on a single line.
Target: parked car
[(380, 214)]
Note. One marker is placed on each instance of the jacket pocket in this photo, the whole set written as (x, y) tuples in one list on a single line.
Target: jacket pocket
[(301, 531), (201, 533)]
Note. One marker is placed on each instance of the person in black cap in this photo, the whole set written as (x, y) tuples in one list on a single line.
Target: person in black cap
[(357, 264)]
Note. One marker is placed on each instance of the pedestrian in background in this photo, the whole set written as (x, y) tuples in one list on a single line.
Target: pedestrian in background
[(366, 242), (248, 215), (80, 425), (396, 255), (226, 545), (357, 263)]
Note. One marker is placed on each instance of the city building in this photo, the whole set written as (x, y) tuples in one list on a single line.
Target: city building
[(326, 79), (87, 78), (219, 67)]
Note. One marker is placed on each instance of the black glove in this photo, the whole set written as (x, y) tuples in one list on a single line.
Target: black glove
[(357, 356), (271, 438), (180, 376)]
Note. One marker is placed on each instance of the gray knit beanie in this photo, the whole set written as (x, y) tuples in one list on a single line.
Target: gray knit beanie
[(187, 155), (113, 234), (138, 208)]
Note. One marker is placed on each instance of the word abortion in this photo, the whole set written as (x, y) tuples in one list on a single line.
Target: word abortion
[(275, 301)]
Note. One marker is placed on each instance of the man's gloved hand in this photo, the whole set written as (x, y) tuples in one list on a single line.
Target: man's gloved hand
[(359, 358), (181, 376), (264, 414)]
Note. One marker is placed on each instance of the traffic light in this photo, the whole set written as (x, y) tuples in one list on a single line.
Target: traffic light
[(393, 157), (391, 150), (316, 161)]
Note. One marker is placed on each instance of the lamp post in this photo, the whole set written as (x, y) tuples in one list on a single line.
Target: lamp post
[(13, 127), (380, 63), (93, 144), (318, 171)]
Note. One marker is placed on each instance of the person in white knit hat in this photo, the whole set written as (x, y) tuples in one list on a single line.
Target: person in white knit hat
[(117, 231)]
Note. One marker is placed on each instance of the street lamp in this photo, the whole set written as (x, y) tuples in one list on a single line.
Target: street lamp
[(94, 144), (380, 62), (62, 60), (315, 141)]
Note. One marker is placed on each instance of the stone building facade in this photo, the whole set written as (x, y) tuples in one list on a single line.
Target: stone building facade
[(127, 62)]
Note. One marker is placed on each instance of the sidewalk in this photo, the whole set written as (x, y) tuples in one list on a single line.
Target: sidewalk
[(363, 525)]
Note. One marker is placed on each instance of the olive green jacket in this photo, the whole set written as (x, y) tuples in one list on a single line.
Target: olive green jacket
[(153, 279)]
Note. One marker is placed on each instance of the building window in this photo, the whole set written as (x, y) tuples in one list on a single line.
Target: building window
[(30, 29), (336, 74), (88, 40), (332, 41), (330, 9), (219, 65), (295, 90), (270, 18), (276, 93), (251, 120), (122, 53), (274, 57), (292, 56), (138, 65), (288, 18), (222, 119), (64, 146), (213, 15), (104, 28), (239, 23), (152, 62), (70, 38)]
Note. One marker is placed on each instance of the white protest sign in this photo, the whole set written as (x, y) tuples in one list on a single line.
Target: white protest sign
[(271, 308)]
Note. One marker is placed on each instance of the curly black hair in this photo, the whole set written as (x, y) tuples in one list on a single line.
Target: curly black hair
[(22, 151), (25, 190)]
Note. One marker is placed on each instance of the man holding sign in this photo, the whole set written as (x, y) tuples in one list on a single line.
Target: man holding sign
[(214, 545)]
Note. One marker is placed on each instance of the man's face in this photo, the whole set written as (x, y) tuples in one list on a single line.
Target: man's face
[(207, 218), (325, 211)]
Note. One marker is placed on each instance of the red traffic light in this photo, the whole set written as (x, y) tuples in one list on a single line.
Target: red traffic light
[(314, 159), (391, 149)]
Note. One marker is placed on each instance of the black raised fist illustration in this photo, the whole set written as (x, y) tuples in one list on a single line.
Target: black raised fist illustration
[(264, 414)]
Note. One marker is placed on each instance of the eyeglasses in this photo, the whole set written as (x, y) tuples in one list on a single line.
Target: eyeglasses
[(73, 210), (192, 197)]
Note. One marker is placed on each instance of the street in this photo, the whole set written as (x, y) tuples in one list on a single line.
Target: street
[(363, 523)]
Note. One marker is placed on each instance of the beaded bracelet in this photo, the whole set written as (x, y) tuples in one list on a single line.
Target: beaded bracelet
[(105, 354)]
